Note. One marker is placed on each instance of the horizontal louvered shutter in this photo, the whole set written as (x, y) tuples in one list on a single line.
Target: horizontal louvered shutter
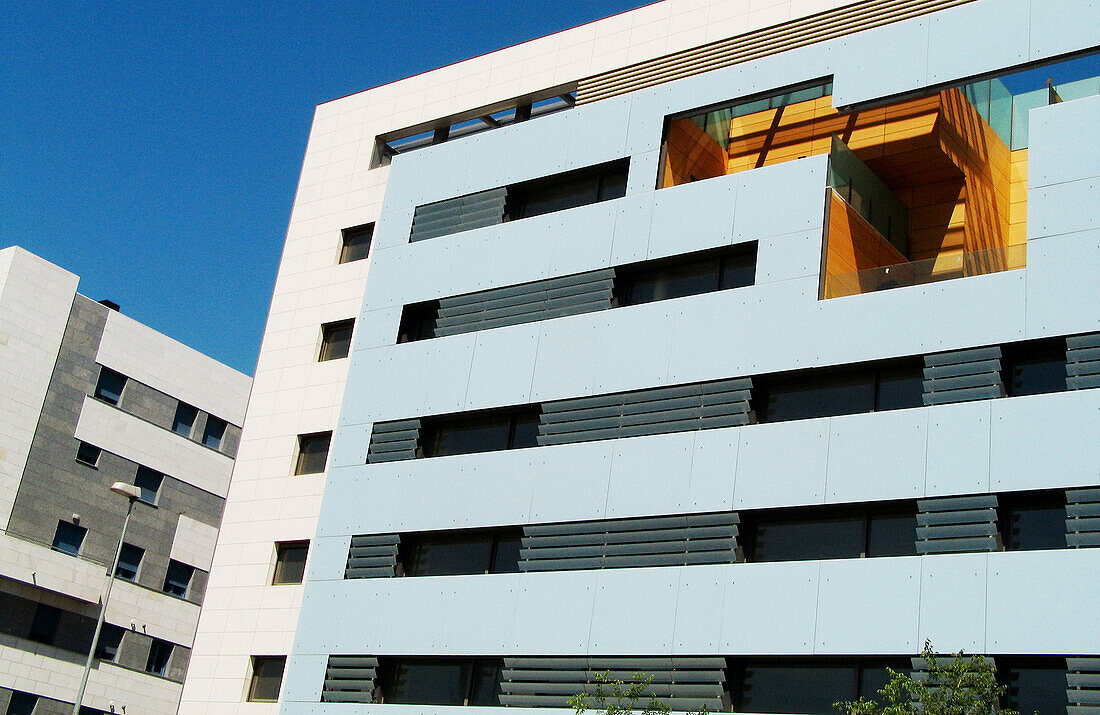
[(1083, 361), (962, 376), (372, 556), (391, 441), (350, 679), (485, 208), (1083, 517), (957, 524)]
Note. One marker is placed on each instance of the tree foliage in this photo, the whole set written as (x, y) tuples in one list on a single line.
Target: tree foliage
[(617, 697), (965, 686)]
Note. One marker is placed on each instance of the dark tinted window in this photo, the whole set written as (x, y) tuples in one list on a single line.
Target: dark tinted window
[(312, 453), (1037, 685), (874, 676), (44, 625), (267, 678), (418, 321), (148, 482), (792, 688), (110, 385), (109, 640), (900, 387), (355, 243), (483, 433), (1034, 520), (290, 561), (440, 681), (160, 652), (22, 703), (1035, 368), (790, 538), (683, 276), (87, 454), (566, 191), (336, 340), (820, 395), (178, 578), (450, 553), (215, 429), (525, 430), (892, 534), (68, 537), (129, 560), (184, 419)]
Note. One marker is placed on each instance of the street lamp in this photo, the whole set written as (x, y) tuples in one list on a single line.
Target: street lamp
[(132, 493)]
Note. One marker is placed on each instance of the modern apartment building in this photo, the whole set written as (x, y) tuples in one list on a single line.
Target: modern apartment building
[(747, 344), (89, 397)]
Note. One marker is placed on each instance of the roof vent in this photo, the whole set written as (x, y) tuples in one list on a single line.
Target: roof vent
[(109, 303)]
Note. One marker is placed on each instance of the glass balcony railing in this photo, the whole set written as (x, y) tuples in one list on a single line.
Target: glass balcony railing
[(944, 267)]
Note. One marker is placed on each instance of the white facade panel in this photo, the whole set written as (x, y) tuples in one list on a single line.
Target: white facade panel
[(881, 62), (194, 542), (650, 475), (643, 621), (679, 225), (1063, 139)]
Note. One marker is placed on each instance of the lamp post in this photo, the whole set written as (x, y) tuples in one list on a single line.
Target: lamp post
[(132, 493)]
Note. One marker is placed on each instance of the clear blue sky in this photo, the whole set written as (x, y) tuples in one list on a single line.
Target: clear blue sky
[(153, 148)]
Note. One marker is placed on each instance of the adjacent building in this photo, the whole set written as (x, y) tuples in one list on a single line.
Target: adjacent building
[(89, 397), (744, 344)]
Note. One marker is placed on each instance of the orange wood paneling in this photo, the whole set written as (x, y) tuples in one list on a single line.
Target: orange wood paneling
[(853, 246)]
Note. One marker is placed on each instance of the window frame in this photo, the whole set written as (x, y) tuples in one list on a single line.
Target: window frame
[(168, 579), (329, 348), (44, 624), (255, 664), (83, 533), (282, 550), (866, 513), (348, 248), (83, 449), (303, 457), (435, 429), (472, 666), (101, 391), (207, 435), (101, 648), (411, 544), (182, 408), (148, 474), (164, 649), (140, 553)]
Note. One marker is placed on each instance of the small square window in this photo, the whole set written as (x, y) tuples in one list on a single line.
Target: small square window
[(178, 578), (129, 560), (215, 430), (355, 243), (109, 640), (110, 385), (290, 561), (68, 537), (148, 481), (184, 420), (336, 340), (44, 625), (160, 652), (88, 454), (312, 453), (267, 678)]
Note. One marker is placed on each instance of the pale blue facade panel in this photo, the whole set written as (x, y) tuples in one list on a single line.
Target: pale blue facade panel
[(711, 336), (634, 347), (431, 174), (1063, 291), (565, 365), (979, 310), (1037, 602), (872, 326), (786, 625), (881, 62), (1056, 209), (447, 379), (544, 152), (956, 49), (581, 238), (599, 134), (692, 217), (795, 255), (1042, 441), (632, 227), (953, 602), (328, 558), (868, 606), (392, 230), (958, 449), (303, 680), (780, 199), (644, 621), (784, 318), (877, 455), (554, 613), (713, 470), (1063, 141), (698, 626), (349, 445), (503, 367), (377, 328), (477, 613), (1063, 26), (782, 464), (650, 475), (573, 483)]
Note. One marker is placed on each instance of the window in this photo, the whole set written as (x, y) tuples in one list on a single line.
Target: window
[(1033, 520), (44, 625), (68, 537), (461, 552), (109, 386), (215, 430), (355, 243), (178, 578), (830, 533), (267, 678), (418, 321), (160, 652), (485, 432), (1034, 368), (1034, 684), (679, 277), (829, 392), (109, 640), (148, 481), (290, 561), (336, 340), (22, 703), (184, 420), (312, 453), (789, 686), (129, 560), (566, 191), (88, 454), (441, 681)]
